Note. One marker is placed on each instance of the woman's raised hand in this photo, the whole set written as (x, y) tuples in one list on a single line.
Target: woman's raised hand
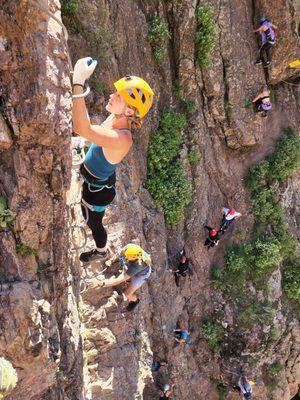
[(83, 69)]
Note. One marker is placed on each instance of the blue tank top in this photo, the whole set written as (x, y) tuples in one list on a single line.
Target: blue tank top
[(97, 164)]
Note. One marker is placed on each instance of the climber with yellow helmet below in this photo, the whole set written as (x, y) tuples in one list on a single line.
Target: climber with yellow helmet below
[(8, 378), (137, 268), (111, 141)]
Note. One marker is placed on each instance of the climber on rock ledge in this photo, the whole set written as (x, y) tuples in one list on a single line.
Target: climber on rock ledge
[(262, 101), (266, 31), (245, 387), (229, 215), (182, 268), (182, 336), (111, 141), (137, 269), (166, 391), (213, 237)]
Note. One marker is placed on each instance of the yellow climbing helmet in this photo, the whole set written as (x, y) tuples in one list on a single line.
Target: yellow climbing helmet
[(295, 64), (133, 252), (8, 377), (136, 93)]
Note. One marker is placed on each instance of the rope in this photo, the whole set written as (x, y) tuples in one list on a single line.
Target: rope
[(51, 15)]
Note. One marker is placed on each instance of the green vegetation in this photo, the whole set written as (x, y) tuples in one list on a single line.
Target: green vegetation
[(7, 217), (248, 103), (274, 368), (194, 156), (69, 7), (80, 17), (158, 33), (190, 106), (291, 280), (206, 34), (176, 89), (222, 390), (166, 181), (23, 249), (212, 333), (271, 245)]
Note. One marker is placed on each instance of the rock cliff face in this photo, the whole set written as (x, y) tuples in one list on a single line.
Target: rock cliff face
[(41, 306)]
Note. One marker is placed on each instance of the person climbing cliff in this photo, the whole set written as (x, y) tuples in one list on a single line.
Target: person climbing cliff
[(182, 268), (245, 387), (182, 336), (262, 101), (166, 391), (137, 269), (213, 237), (267, 33), (111, 141), (229, 215), (156, 365)]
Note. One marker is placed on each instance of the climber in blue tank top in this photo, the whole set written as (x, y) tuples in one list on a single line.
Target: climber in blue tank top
[(267, 33), (111, 141)]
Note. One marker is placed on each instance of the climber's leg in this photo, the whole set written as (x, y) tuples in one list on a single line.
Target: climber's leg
[(99, 198)]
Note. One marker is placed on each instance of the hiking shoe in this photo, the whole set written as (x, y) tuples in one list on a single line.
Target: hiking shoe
[(132, 304), (91, 255), (267, 64), (258, 62)]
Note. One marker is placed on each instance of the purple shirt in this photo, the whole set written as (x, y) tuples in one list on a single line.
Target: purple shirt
[(263, 34)]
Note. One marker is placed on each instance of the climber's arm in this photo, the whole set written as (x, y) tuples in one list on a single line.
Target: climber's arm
[(103, 137), (115, 281)]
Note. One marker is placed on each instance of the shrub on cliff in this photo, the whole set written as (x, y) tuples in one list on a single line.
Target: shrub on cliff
[(166, 180), (69, 7), (212, 334), (286, 158), (205, 37), (291, 280), (158, 33)]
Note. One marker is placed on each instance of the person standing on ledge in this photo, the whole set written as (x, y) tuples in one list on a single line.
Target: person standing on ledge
[(111, 141)]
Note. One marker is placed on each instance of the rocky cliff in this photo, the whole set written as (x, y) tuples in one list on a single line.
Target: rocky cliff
[(70, 345)]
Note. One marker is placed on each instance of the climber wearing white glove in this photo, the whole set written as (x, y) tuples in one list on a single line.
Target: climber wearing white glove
[(111, 141)]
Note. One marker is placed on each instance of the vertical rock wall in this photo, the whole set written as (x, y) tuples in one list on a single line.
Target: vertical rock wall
[(39, 322), (39, 319)]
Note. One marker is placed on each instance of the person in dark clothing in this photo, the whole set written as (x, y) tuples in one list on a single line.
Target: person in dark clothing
[(213, 237), (267, 33), (182, 268), (157, 364)]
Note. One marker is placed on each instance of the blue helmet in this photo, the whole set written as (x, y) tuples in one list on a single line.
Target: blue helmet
[(262, 19), (166, 387), (184, 335)]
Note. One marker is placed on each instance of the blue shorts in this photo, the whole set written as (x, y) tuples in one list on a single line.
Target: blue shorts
[(139, 279)]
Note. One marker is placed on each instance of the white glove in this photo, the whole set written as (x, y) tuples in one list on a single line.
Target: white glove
[(83, 69)]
